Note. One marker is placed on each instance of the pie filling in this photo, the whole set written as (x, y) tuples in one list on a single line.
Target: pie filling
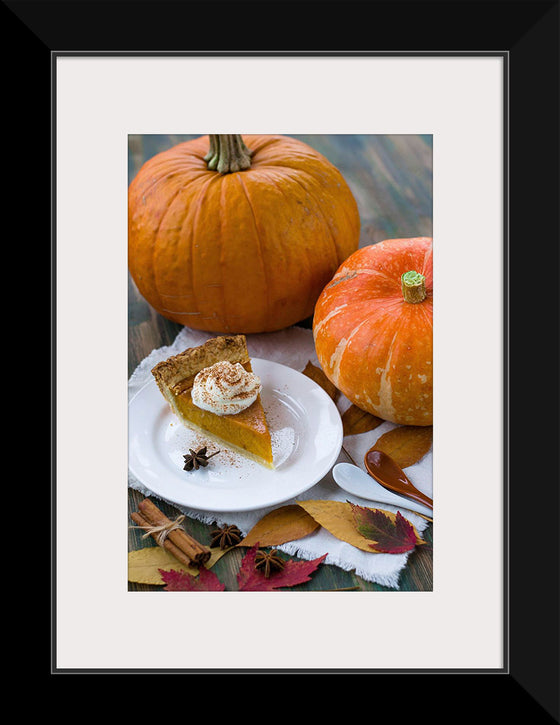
[(247, 430)]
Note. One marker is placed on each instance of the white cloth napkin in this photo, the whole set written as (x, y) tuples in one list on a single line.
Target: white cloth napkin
[(294, 347)]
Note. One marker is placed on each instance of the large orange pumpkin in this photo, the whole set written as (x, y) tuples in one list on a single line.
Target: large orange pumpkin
[(373, 330), (238, 234)]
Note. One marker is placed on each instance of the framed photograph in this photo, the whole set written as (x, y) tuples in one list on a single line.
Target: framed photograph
[(424, 146)]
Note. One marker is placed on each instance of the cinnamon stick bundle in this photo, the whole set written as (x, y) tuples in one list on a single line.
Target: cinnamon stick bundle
[(186, 549)]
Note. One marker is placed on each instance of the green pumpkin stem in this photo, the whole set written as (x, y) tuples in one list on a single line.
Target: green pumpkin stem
[(413, 286), (228, 153)]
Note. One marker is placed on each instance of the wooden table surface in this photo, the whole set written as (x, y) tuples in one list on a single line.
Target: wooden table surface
[(391, 179)]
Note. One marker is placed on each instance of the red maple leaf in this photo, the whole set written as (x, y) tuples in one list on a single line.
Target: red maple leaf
[(294, 572), (390, 537), (181, 581)]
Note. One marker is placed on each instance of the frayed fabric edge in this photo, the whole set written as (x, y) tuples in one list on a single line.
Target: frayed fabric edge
[(391, 581)]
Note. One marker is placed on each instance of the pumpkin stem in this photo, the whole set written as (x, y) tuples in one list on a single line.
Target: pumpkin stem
[(413, 286), (228, 153)]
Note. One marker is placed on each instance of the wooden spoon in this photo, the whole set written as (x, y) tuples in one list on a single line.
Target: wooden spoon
[(386, 472)]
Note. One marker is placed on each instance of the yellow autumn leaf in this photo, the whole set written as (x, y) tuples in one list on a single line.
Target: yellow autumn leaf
[(337, 518), (144, 564)]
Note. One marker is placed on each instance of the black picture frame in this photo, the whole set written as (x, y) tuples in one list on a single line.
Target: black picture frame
[(527, 34)]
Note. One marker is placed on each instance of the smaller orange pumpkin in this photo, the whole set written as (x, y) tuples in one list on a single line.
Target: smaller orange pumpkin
[(373, 330)]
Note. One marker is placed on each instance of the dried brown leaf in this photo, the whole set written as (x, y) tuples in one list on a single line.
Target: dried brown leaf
[(407, 444), (317, 374), (286, 523), (355, 421)]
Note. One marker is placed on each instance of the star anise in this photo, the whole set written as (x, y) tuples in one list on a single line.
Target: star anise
[(225, 536), (196, 459), (268, 562)]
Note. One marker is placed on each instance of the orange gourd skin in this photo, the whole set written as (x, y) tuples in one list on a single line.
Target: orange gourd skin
[(372, 344), (242, 252)]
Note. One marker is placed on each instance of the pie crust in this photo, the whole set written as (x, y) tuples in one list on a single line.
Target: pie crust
[(246, 432)]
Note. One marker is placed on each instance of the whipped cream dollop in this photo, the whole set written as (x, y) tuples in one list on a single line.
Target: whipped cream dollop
[(225, 388)]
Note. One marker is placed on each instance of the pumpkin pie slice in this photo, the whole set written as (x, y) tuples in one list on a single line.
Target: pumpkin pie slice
[(246, 431)]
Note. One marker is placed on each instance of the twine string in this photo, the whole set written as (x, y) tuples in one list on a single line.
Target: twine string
[(161, 532)]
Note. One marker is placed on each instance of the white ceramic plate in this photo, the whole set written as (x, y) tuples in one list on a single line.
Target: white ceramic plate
[(306, 431)]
